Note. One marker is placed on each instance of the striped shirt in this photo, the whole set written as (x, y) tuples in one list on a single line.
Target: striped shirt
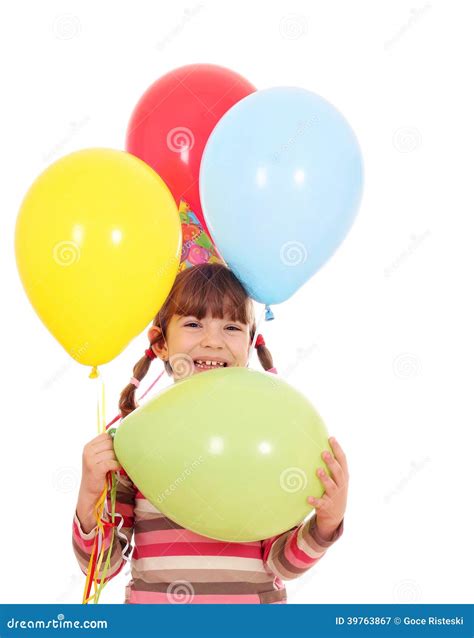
[(170, 564)]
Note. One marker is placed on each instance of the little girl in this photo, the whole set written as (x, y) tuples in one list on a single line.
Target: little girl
[(207, 321)]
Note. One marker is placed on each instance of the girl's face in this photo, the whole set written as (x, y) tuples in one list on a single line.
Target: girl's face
[(194, 346)]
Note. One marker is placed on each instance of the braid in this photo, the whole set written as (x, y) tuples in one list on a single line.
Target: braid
[(265, 357), (263, 353), (127, 402)]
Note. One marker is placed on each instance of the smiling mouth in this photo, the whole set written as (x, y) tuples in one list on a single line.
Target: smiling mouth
[(209, 364)]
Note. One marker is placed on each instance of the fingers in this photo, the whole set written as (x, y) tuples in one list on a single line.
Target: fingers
[(337, 464), (112, 466), (320, 504), (334, 481), (104, 446), (335, 470), (328, 483), (108, 455), (100, 439), (339, 454), (100, 443)]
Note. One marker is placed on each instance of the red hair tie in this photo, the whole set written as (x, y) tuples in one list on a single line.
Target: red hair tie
[(150, 354), (260, 341)]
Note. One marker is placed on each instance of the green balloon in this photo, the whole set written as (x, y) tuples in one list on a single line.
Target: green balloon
[(230, 453)]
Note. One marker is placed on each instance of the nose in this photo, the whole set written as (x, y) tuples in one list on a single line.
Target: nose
[(211, 338)]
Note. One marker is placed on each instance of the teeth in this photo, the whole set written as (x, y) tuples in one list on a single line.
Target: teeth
[(210, 363)]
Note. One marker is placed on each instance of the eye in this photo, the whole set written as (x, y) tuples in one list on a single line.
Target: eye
[(235, 328), (191, 323)]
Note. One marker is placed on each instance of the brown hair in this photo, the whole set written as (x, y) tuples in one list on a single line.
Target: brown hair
[(196, 291)]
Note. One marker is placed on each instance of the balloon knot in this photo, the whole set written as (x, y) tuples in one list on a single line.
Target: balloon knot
[(269, 316), (94, 373)]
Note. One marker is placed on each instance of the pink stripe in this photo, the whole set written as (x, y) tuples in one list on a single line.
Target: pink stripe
[(198, 549), (295, 561), (83, 544), (296, 555), (86, 544), (175, 535), (151, 597), (267, 545)]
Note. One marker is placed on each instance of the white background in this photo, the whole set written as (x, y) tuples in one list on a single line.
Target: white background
[(380, 338)]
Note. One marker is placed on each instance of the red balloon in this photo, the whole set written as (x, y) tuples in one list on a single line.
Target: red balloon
[(172, 122)]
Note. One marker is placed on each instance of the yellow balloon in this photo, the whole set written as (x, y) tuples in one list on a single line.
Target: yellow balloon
[(98, 245)]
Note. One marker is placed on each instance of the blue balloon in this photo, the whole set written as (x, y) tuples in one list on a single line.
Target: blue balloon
[(280, 183)]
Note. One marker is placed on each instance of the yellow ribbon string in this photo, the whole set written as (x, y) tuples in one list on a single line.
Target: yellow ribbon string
[(103, 582), (93, 570)]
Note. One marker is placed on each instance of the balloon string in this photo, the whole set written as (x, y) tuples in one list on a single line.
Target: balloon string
[(92, 567), (119, 416), (120, 534), (112, 525), (100, 508), (97, 554), (154, 382), (95, 561), (98, 549)]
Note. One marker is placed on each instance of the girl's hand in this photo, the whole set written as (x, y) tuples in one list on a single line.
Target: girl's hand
[(98, 458), (331, 506)]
